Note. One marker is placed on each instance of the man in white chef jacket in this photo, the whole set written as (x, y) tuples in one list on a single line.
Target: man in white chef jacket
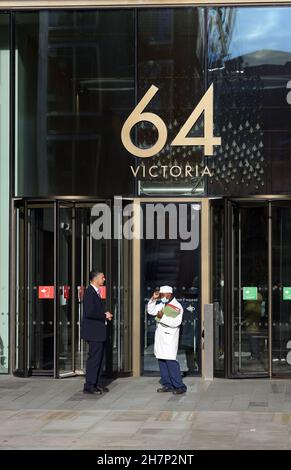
[(167, 339)]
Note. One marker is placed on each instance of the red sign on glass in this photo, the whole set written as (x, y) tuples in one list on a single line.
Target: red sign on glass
[(81, 290), (66, 292), (102, 291), (46, 292)]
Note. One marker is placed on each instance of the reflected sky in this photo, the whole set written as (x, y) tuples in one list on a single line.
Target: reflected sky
[(257, 29)]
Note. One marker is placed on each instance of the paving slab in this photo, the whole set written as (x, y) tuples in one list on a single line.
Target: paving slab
[(44, 413)]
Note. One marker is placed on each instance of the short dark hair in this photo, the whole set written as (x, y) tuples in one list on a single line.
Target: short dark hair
[(94, 273)]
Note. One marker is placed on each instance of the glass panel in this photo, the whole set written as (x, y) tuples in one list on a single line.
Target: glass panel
[(35, 334), (126, 293), (250, 309), (165, 263), (171, 53), (122, 295), (281, 316), (249, 52), (20, 365), (82, 279), (218, 240), (4, 192), (74, 90), (65, 314), (41, 289), (90, 254)]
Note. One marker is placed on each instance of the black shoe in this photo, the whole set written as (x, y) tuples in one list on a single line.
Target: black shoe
[(164, 389), (102, 389), (92, 392), (179, 391)]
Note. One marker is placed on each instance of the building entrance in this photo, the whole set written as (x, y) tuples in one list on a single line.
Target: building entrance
[(165, 263), (54, 251), (259, 282)]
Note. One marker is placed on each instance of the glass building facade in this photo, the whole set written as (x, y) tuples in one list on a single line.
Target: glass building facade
[(4, 191), (69, 79)]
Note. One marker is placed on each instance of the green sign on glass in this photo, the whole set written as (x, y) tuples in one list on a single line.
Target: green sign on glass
[(286, 293), (250, 293)]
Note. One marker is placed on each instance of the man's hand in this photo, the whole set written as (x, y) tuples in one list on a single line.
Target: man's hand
[(108, 316), (160, 314), (155, 295)]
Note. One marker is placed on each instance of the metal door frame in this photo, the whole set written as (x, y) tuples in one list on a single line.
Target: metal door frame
[(229, 291), (59, 204), (55, 203), (205, 273), (272, 204)]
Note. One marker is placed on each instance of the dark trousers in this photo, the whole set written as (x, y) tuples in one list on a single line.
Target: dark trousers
[(171, 374), (254, 345), (94, 364)]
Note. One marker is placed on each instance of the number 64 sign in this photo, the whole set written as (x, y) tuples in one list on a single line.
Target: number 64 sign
[(208, 140)]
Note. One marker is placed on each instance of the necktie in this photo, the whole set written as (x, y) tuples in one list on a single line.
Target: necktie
[(98, 293)]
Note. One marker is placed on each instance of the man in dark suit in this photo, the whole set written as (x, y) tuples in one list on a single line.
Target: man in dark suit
[(94, 327)]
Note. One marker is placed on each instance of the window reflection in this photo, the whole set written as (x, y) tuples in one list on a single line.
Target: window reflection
[(4, 191), (171, 56), (249, 62), (75, 87), (281, 274), (164, 263), (218, 284), (79, 74)]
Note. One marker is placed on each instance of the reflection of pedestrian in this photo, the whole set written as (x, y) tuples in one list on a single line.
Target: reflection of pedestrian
[(189, 337), (280, 316), (169, 314), (2, 357), (94, 332), (252, 316)]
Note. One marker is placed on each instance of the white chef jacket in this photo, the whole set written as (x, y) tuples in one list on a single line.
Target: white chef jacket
[(167, 330)]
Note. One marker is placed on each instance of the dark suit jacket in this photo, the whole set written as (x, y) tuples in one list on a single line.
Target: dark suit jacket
[(93, 323)]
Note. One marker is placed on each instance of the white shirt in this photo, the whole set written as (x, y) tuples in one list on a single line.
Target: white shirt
[(96, 289)]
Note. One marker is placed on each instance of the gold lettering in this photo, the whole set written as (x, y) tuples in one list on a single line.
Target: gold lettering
[(172, 171), (136, 116), (206, 171), (135, 172), (208, 140), (164, 170), (150, 171), (175, 171), (205, 106), (188, 171)]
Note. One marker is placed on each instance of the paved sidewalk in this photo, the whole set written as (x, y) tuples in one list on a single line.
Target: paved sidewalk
[(42, 413)]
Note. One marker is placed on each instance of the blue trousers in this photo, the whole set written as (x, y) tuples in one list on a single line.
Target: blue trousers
[(171, 374)]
